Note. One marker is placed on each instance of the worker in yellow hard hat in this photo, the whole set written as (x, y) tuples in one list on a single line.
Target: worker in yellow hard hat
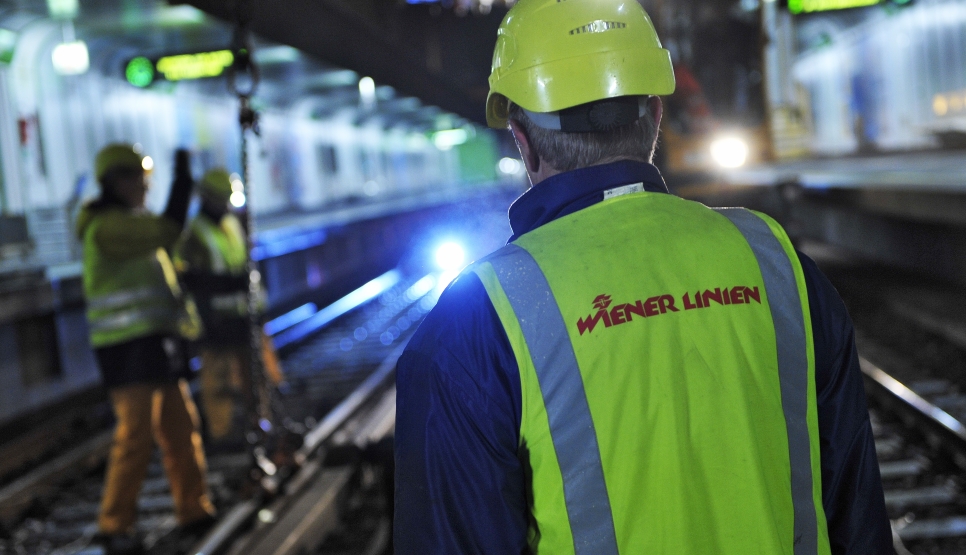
[(213, 258), (634, 372), (139, 321)]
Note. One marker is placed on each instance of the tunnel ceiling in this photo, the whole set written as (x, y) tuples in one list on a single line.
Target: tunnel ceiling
[(421, 50)]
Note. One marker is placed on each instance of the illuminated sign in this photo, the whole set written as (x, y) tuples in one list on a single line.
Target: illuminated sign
[(809, 6), (195, 66), (142, 71)]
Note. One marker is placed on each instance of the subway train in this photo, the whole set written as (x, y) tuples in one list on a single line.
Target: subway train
[(347, 176), (840, 80)]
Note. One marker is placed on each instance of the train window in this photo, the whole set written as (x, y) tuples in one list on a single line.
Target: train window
[(328, 163)]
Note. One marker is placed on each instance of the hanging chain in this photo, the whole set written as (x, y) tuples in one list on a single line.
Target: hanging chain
[(243, 78)]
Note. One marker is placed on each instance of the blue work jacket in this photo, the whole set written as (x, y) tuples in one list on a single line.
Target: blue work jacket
[(461, 484)]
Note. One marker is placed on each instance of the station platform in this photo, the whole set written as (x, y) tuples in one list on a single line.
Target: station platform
[(931, 171)]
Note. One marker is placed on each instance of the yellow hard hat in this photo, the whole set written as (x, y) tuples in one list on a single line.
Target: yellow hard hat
[(556, 54), (216, 183), (117, 155)]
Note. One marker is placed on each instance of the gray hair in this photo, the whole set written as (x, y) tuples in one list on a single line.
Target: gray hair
[(570, 151)]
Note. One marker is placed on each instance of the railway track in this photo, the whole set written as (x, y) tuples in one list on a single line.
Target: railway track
[(339, 402), (922, 456), (909, 333)]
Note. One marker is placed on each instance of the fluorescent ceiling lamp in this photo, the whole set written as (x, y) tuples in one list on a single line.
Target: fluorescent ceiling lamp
[(367, 90), (510, 166), (178, 15), (445, 140), (8, 43), (63, 9), (276, 55), (70, 58)]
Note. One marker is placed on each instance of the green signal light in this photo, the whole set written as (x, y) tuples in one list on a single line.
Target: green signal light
[(140, 72)]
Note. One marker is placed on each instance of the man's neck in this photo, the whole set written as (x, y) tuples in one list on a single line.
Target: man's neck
[(547, 171)]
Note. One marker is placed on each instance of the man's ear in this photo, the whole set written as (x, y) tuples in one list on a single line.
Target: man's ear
[(530, 158), (656, 108)]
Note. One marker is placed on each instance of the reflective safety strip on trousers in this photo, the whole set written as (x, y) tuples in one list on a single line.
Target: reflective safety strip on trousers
[(571, 425), (126, 297), (783, 297)]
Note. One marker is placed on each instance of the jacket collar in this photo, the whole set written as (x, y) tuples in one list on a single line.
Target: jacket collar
[(568, 192)]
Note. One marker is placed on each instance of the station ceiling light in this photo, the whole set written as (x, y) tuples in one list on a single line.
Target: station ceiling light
[(71, 58), (448, 138), (367, 91), (63, 9), (8, 43), (510, 166)]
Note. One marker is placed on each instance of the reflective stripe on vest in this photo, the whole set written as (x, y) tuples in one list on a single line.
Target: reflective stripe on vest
[(786, 312), (207, 235), (571, 424), (160, 317), (120, 299), (224, 242)]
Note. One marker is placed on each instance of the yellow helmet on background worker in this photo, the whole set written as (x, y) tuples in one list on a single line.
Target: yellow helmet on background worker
[(552, 55), (216, 184), (119, 155)]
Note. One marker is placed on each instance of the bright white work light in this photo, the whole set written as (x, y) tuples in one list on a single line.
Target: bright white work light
[(729, 152), (147, 163), (450, 256), (237, 199), (70, 58)]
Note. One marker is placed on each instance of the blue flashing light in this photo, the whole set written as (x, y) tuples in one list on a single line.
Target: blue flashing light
[(450, 256)]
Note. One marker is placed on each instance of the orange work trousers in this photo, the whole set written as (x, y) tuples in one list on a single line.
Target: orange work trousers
[(226, 379), (147, 413)]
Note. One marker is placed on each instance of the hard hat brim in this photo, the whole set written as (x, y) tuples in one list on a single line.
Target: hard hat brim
[(634, 72)]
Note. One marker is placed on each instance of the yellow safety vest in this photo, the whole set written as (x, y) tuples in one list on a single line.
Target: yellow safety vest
[(225, 253), (667, 379), (133, 297)]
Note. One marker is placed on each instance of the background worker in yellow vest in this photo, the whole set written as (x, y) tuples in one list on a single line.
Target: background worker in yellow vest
[(138, 321), (634, 372), (213, 259)]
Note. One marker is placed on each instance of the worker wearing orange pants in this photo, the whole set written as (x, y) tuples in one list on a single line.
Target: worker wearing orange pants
[(213, 260), (139, 320), (165, 414), (226, 377)]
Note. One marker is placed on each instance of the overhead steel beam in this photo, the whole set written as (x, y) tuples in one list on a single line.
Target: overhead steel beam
[(441, 59)]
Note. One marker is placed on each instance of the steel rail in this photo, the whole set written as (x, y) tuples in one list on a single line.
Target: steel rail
[(230, 528)]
